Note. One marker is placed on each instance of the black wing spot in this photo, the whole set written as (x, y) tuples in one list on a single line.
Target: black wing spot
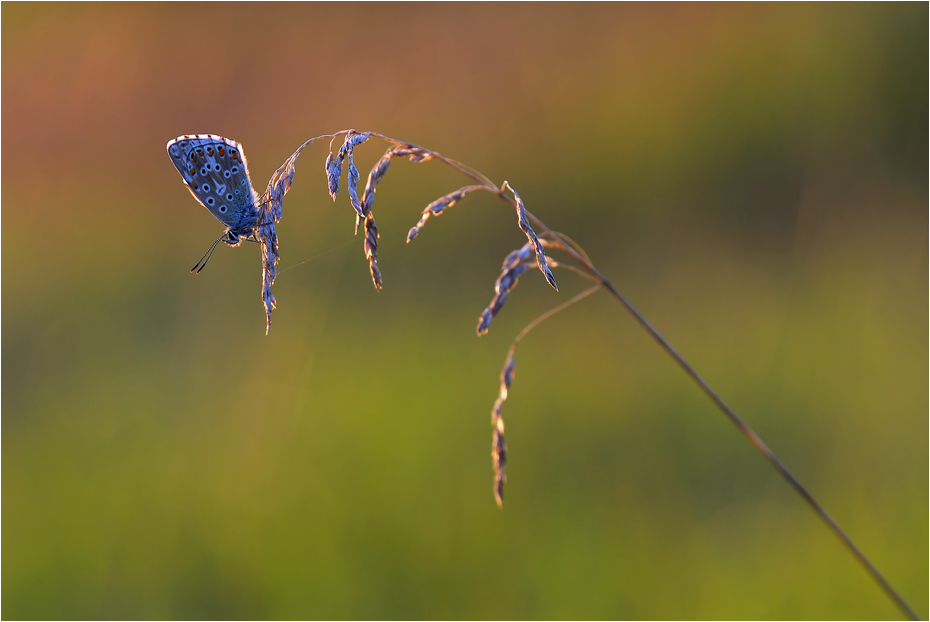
[(206, 187), (210, 201), (222, 209)]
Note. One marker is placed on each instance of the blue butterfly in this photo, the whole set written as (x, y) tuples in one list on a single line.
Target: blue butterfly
[(216, 172)]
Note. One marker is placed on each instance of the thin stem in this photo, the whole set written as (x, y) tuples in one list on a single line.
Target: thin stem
[(581, 257), (766, 452), (564, 266), (545, 316), (578, 254), (462, 168), (744, 428)]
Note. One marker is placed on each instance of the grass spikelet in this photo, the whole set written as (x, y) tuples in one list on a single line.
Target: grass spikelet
[(436, 207), (515, 264), (371, 249), (353, 187), (268, 238), (498, 444), (270, 211), (333, 173), (416, 154), (352, 140), (357, 138), (531, 236), (378, 171), (334, 166)]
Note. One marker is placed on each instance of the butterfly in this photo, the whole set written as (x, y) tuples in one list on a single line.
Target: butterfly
[(216, 172)]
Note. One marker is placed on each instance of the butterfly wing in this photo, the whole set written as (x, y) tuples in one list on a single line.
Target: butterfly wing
[(215, 171)]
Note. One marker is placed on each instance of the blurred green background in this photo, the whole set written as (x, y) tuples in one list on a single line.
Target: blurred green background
[(753, 178)]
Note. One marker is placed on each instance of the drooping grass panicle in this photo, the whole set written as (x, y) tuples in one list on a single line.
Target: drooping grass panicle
[(377, 173), (515, 264), (353, 187), (346, 152), (333, 173), (334, 164), (271, 209), (371, 249), (498, 443), (379, 170), (269, 241), (416, 154), (270, 212), (436, 207), (531, 236)]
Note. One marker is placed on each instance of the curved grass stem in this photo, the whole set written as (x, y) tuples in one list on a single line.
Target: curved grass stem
[(575, 251), (545, 316), (588, 269), (743, 427)]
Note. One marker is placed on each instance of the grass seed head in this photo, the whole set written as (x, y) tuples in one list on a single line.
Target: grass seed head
[(378, 171), (333, 173), (524, 225), (416, 154), (436, 208), (515, 264), (371, 249), (498, 444), (499, 461)]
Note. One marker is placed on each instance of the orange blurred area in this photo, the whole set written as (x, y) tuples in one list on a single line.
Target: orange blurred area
[(752, 177)]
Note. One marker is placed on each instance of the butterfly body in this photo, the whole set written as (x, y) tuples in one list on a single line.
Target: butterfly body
[(215, 171)]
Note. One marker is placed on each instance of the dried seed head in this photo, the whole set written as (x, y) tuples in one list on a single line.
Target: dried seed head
[(484, 320), (436, 208), (416, 154), (371, 249), (353, 187), (499, 461), (268, 238), (270, 211), (352, 140), (515, 264), (524, 224), (498, 445), (378, 171), (507, 374), (333, 173)]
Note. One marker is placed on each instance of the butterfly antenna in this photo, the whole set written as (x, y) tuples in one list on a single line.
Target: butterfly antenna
[(202, 263)]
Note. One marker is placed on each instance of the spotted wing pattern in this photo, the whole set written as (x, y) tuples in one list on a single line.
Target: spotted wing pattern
[(215, 171)]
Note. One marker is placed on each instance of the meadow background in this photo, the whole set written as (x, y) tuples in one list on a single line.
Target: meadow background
[(753, 178)]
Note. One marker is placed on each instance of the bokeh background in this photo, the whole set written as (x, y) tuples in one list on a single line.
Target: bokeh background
[(753, 178)]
